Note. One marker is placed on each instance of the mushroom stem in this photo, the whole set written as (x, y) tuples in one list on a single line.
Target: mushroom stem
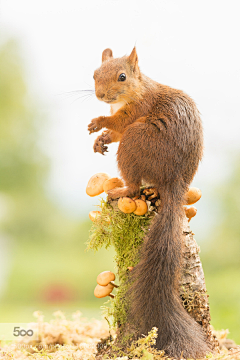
[(112, 283), (111, 295), (135, 198)]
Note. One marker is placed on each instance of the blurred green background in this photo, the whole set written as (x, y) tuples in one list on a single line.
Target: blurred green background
[(42, 246), (43, 262)]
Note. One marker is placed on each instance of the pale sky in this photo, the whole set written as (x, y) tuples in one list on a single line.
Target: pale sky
[(190, 45)]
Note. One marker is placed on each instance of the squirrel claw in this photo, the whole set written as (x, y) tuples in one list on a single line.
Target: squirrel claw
[(100, 148), (99, 145), (94, 126)]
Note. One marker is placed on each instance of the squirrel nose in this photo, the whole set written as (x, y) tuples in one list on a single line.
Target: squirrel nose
[(101, 96), (99, 93)]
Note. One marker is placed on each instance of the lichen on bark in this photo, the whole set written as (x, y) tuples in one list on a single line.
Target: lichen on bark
[(192, 285)]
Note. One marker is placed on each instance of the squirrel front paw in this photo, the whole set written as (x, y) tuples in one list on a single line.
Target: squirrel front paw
[(99, 145), (95, 125), (101, 141)]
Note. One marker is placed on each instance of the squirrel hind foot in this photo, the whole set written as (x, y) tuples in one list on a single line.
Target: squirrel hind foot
[(126, 191)]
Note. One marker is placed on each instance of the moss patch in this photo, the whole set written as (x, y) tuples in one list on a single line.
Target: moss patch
[(125, 232)]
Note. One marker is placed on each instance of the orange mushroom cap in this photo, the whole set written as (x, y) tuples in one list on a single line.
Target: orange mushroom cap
[(95, 184), (190, 212), (112, 184), (193, 195), (126, 205), (93, 215), (105, 277), (103, 291), (142, 207)]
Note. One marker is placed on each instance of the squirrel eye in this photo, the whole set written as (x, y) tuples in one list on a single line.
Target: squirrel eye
[(122, 77)]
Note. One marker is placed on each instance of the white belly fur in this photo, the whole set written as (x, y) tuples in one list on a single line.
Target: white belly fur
[(116, 107)]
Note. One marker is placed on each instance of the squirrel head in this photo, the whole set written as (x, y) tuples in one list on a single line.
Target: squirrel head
[(117, 79)]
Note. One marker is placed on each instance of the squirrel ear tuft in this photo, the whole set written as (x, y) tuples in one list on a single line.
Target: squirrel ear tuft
[(107, 54), (133, 59)]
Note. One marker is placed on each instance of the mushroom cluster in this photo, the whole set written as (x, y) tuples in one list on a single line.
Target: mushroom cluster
[(102, 182), (192, 196), (149, 199), (139, 205), (128, 205), (105, 284)]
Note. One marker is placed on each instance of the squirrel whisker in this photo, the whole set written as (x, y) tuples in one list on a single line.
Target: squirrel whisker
[(76, 92), (83, 97)]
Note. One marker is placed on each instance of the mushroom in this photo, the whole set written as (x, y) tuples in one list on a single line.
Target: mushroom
[(193, 195), (103, 291), (142, 207), (95, 184), (151, 191), (93, 215), (190, 212), (112, 183), (130, 268), (126, 205), (105, 278)]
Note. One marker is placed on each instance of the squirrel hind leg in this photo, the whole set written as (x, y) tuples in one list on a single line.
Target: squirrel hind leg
[(126, 191)]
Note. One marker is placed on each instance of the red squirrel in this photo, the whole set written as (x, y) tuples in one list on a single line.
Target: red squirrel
[(161, 143)]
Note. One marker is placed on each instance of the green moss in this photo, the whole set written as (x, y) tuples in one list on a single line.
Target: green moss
[(125, 232)]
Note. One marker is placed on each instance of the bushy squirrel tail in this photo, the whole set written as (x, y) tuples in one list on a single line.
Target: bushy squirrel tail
[(154, 293)]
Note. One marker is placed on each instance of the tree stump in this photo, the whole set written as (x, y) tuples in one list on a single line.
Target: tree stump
[(126, 233), (193, 290)]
